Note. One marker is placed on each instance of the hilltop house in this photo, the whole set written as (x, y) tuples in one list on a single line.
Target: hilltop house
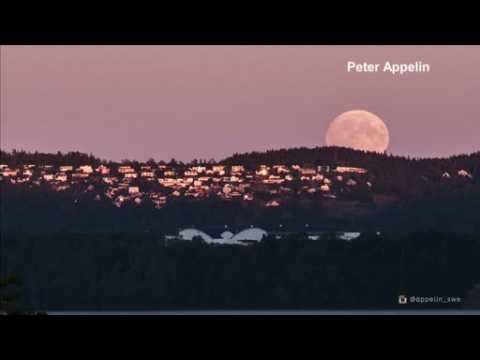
[(350, 169), (104, 170), (125, 169), (87, 169), (65, 168)]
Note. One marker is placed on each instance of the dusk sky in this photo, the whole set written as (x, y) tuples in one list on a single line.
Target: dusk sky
[(204, 102)]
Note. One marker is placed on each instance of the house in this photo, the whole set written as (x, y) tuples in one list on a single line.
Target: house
[(48, 177), (119, 201), (281, 169), (263, 171), (351, 182), (308, 171), (235, 193), (272, 203), (79, 175), (132, 175), (87, 169), (61, 177), (350, 169), (65, 168), (102, 169), (219, 169), (109, 180), (190, 173), (248, 197), (147, 174), (237, 169), (125, 169), (133, 189), (167, 182), (9, 172), (464, 173), (285, 190), (199, 169)]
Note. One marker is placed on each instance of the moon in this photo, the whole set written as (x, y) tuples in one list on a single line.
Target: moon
[(360, 130)]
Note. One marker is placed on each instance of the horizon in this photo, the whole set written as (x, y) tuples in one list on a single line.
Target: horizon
[(186, 102), (202, 160)]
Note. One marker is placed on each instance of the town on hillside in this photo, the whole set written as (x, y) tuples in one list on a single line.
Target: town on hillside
[(159, 183)]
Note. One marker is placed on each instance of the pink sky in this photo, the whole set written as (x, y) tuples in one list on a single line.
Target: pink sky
[(191, 102)]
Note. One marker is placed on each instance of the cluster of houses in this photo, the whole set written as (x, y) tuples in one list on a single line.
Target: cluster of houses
[(160, 183)]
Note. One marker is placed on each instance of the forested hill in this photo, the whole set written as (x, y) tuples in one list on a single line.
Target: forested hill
[(344, 156), (74, 158), (301, 156)]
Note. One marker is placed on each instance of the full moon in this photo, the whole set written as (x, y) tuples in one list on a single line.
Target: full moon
[(358, 129)]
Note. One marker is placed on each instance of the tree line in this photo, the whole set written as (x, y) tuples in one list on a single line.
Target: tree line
[(123, 271)]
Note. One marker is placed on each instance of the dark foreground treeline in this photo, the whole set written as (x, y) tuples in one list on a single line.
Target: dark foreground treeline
[(68, 271)]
